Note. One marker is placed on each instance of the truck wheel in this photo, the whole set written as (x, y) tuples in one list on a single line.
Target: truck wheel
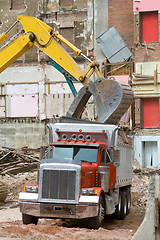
[(121, 209), (28, 219), (128, 196), (96, 222)]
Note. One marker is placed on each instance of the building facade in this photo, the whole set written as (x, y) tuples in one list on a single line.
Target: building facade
[(146, 82)]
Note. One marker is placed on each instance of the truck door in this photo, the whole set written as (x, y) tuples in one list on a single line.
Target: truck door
[(105, 157), (106, 160)]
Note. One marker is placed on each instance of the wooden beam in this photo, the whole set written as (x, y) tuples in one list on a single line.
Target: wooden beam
[(155, 76), (49, 89)]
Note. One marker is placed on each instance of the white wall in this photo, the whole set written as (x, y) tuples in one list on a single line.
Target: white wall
[(138, 147)]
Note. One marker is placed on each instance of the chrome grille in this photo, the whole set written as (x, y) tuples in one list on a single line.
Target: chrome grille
[(59, 184)]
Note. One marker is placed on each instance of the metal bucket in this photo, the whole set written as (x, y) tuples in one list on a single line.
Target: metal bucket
[(112, 100)]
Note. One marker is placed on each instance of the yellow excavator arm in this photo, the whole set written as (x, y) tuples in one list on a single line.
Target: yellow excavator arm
[(42, 36), (111, 98), (13, 50)]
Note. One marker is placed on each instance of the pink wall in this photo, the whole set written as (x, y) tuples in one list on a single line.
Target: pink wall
[(146, 5), (24, 105), (121, 78)]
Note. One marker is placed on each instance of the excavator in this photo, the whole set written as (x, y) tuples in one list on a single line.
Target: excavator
[(112, 98)]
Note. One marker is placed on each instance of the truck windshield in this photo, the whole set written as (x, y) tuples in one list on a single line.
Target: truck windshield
[(75, 153)]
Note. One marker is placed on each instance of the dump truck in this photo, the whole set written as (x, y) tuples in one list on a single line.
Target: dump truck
[(86, 174)]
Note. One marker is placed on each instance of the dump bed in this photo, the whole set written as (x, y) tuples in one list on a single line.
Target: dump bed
[(124, 166)]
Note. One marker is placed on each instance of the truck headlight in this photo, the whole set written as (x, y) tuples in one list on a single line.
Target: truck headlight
[(31, 189), (88, 191)]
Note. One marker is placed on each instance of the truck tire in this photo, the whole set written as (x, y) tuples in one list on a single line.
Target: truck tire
[(96, 222), (128, 196), (28, 219), (121, 209)]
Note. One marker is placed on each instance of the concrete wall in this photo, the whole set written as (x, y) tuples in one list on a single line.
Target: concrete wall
[(150, 228), (100, 25), (23, 133)]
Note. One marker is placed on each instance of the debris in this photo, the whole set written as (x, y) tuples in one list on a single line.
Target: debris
[(3, 191), (113, 46), (149, 47), (137, 170), (15, 206), (13, 161)]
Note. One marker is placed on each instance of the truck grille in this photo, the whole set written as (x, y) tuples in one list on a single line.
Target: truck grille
[(59, 184)]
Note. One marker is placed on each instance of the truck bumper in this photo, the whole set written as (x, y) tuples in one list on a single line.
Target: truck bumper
[(59, 211)]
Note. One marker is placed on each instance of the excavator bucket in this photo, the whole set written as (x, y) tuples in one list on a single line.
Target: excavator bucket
[(112, 100)]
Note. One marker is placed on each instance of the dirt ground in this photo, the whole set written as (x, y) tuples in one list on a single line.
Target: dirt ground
[(11, 226)]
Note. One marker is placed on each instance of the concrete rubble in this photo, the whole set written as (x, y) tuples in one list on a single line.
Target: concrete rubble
[(150, 229)]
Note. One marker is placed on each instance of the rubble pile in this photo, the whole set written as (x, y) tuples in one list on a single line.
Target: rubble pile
[(139, 189), (14, 162), (140, 182), (15, 184), (14, 165)]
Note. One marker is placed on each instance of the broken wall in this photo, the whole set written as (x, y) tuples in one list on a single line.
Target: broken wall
[(81, 22), (19, 133)]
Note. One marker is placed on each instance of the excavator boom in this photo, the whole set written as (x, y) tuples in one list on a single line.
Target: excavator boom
[(109, 95)]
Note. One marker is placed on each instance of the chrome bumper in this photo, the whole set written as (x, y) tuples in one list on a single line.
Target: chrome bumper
[(59, 211)]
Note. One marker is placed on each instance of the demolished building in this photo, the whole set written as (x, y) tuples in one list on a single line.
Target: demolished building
[(145, 83), (32, 84)]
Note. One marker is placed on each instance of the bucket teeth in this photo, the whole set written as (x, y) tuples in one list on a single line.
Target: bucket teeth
[(112, 100)]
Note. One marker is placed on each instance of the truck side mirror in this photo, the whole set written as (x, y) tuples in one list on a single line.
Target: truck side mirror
[(114, 155)]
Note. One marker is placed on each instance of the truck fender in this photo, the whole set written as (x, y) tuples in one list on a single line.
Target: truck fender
[(101, 193)]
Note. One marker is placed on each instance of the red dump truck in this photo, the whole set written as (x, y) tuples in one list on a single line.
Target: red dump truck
[(87, 174)]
